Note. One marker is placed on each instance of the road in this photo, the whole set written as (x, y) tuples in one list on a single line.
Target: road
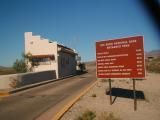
[(43, 102)]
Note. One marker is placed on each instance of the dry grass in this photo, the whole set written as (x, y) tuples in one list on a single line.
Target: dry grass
[(87, 115), (90, 115), (106, 116), (154, 65), (94, 95)]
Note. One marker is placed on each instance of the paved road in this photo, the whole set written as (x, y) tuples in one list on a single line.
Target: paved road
[(43, 102)]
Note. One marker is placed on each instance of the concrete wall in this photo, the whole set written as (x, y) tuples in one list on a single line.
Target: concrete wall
[(8, 82)]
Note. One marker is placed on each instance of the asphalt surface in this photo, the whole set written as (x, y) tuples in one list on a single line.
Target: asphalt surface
[(44, 101)]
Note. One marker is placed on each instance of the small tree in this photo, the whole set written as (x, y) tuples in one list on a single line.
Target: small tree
[(20, 66), (29, 59)]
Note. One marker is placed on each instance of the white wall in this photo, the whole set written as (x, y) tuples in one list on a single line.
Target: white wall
[(38, 46)]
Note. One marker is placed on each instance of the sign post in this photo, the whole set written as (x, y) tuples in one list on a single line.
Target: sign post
[(110, 91), (120, 58), (134, 95)]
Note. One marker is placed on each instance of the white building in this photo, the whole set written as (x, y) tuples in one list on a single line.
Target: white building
[(48, 55)]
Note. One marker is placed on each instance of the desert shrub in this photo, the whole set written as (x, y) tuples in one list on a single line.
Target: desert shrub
[(154, 65), (94, 95), (82, 66), (106, 80), (106, 116), (87, 115), (14, 83)]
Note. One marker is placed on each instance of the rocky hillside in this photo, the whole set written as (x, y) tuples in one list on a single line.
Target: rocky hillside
[(6, 70), (153, 53)]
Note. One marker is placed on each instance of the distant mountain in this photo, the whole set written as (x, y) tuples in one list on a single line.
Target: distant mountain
[(2, 67), (6, 70), (153, 53)]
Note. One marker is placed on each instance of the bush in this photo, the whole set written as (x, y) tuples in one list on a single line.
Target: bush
[(20, 66), (87, 115), (82, 67), (94, 95), (106, 80), (154, 65), (14, 82), (106, 116)]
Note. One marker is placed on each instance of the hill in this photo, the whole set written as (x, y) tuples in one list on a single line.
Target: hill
[(2, 67), (6, 70), (153, 53)]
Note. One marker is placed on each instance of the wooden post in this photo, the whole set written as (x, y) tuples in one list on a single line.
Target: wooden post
[(134, 95), (110, 89)]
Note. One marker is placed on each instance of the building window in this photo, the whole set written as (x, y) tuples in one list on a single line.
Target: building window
[(41, 61)]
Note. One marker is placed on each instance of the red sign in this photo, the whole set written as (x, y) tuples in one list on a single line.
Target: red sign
[(120, 58)]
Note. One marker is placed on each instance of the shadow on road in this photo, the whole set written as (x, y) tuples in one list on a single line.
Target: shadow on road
[(125, 93), (79, 72)]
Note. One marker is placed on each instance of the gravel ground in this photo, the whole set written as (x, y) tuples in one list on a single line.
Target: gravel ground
[(148, 108)]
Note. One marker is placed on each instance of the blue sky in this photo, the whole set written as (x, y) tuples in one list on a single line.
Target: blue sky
[(74, 23)]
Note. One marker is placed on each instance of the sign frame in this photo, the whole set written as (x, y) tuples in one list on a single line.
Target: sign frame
[(132, 77)]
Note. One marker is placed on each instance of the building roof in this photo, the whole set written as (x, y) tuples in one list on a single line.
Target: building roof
[(67, 50)]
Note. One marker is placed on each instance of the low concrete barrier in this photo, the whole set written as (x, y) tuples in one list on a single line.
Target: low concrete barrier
[(9, 82)]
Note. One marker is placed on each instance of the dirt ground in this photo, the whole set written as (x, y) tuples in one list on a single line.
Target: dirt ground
[(148, 102)]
